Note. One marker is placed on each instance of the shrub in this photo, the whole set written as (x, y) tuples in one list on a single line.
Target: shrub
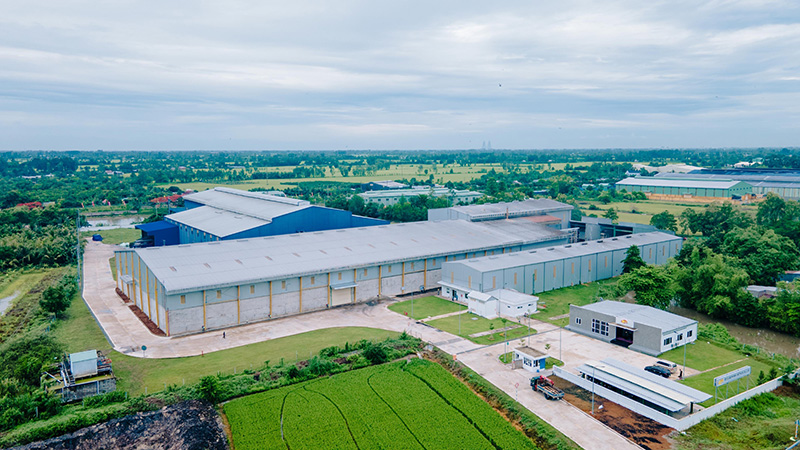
[(209, 388), (376, 354)]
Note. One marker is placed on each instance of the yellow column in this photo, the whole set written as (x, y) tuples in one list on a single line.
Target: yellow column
[(403, 274), (158, 318), (380, 282), (270, 298), (329, 289), (204, 308), (141, 297), (166, 315), (301, 294), (238, 306), (425, 275), (119, 273), (147, 289)]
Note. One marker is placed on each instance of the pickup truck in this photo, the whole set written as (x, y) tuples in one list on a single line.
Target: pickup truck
[(546, 387)]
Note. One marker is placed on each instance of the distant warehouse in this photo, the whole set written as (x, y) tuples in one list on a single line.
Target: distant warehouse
[(546, 269), (781, 182), (191, 288), (664, 188), (393, 196)]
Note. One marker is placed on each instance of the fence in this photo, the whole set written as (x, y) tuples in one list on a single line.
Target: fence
[(678, 424)]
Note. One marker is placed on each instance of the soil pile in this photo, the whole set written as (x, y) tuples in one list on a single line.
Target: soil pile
[(190, 425)]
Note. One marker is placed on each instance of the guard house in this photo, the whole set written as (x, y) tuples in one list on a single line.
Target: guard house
[(500, 302), (656, 392), (638, 327), (531, 359)]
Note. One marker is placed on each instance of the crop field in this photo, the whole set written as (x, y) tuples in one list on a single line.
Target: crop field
[(410, 406)]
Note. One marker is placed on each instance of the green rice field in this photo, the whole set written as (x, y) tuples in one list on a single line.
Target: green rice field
[(415, 405)]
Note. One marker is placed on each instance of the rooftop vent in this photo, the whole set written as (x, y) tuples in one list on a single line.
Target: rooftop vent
[(323, 251), (268, 258), (206, 264), (296, 254), (238, 261), (173, 269)]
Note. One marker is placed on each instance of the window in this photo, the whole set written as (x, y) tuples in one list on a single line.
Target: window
[(313, 279), (527, 362), (689, 334), (340, 275), (390, 269), (183, 299), (365, 272), (573, 268), (606, 262), (283, 284), (412, 266), (219, 294), (252, 288), (668, 341), (469, 282), (578, 320), (680, 337), (600, 327), (433, 262)]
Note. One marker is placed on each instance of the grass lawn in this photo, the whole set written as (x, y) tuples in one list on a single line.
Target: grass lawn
[(113, 263), (557, 302), (506, 358), (115, 236), (550, 362), (79, 331), (426, 307), (702, 355), (705, 381), (471, 324)]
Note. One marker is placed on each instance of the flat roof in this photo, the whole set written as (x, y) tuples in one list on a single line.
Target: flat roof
[(85, 355), (218, 222), (514, 209), (512, 297), (436, 192), (751, 178), (668, 394), (541, 255), (532, 352), (698, 183), (647, 315), (193, 267)]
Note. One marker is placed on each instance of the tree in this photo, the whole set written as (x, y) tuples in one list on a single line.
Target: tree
[(611, 213), (764, 254), (209, 389), (55, 300), (711, 283), (665, 221), (715, 222), (653, 285), (375, 353), (633, 260)]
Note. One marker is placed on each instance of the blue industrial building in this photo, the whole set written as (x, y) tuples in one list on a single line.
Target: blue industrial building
[(225, 214)]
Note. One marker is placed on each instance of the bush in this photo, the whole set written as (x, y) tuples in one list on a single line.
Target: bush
[(209, 389), (376, 354)]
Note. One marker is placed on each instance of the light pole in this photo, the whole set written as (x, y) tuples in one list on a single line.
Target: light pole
[(559, 346)]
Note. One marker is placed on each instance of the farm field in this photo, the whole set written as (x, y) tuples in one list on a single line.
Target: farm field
[(468, 324), (417, 405), (426, 307)]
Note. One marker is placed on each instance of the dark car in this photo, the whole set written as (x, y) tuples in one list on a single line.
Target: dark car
[(663, 371)]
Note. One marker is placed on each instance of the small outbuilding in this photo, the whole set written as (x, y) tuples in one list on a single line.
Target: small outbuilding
[(501, 302), (531, 359), (638, 327)]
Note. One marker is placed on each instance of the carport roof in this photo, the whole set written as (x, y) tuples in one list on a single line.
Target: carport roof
[(194, 267), (668, 394), (542, 255)]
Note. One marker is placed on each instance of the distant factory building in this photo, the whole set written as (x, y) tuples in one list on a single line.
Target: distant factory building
[(543, 211), (382, 185), (223, 214), (674, 188), (591, 228), (546, 269), (783, 183), (393, 196), (638, 327), (190, 288)]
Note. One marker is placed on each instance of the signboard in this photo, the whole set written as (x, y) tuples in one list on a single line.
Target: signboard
[(732, 376), (624, 322)]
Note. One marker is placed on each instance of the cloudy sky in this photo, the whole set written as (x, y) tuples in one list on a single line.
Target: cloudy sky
[(345, 74)]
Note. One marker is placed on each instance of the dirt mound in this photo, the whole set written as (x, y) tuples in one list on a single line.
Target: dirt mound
[(187, 425)]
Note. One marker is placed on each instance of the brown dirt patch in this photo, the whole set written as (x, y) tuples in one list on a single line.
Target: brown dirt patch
[(146, 321), (647, 433)]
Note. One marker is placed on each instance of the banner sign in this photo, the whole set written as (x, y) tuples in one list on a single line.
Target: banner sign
[(732, 376)]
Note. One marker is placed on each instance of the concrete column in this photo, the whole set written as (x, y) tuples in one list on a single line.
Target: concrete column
[(301, 294), (329, 289), (238, 306), (270, 299), (204, 308)]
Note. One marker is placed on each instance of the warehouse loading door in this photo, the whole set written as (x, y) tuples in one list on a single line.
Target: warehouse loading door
[(341, 296)]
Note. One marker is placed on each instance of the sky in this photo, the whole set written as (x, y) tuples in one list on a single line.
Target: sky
[(317, 75)]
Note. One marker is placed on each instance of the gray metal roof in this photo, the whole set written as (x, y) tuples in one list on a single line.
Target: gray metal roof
[(230, 211), (698, 183), (787, 180), (541, 255), (436, 192), (514, 209), (647, 315), (666, 393), (187, 268)]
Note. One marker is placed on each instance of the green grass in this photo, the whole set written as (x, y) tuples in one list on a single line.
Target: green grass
[(113, 263), (115, 236), (764, 422), (410, 406), (21, 282), (557, 302), (137, 373), (506, 358), (705, 381), (79, 331), (550, 362), (471, 324), (426, 307), (702, 355)]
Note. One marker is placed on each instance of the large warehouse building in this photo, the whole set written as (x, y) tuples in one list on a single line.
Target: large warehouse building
[(546, 269), (686, 188), (638, 327), (544, 211), (783, 183), (393, 196), (223, 214), (191, 288)]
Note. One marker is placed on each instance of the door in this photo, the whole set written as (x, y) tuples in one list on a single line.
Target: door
[(341, 296)]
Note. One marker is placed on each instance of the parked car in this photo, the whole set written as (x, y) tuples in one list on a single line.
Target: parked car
[(672, 367), (658, 370)]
